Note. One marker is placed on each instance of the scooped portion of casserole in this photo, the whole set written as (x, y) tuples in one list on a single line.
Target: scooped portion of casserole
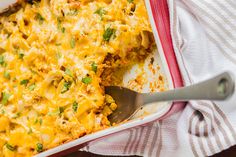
[(53, 54)]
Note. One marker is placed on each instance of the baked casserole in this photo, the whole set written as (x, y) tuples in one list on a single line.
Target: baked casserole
[(55, 58)]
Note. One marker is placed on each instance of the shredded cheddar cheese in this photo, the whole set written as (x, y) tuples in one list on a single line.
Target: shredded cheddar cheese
[(52, 56)]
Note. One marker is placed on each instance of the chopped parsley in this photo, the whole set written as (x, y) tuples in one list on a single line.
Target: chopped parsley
[(108, 33), (32, 87), (10, 147), (40, 121), (56, 112), (94, 67), (87, 80), (30, 131), (58, 55), (2, 60), (5, 97), (63, 29), (6, 74), (8, 35), (24, 82), (17, 115), (59, 27), (68, 72), (72, 43), (73, 12), (66, 87), (39, 18), (39, 147), (61, 110), (130, 1), (75, 106), (58, 23), (20, 55), (36, 121), (100, 12)]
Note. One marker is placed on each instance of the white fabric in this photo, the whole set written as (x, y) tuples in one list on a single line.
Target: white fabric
[(204, 38)]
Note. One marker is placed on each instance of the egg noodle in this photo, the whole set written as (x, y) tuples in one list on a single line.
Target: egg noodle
[(52, 56)]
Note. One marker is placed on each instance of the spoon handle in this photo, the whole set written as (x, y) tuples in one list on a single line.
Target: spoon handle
[(219, 87)]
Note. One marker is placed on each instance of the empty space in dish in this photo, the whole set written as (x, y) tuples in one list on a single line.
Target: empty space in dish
[(148, 77)]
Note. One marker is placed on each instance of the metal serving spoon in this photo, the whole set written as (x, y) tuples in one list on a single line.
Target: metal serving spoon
[(129, 102), (6, 4)]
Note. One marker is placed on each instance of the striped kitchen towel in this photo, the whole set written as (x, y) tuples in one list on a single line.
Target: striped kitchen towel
[(204, 39)]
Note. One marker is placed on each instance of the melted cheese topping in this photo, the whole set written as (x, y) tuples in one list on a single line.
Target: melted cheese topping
[(52, 56)]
